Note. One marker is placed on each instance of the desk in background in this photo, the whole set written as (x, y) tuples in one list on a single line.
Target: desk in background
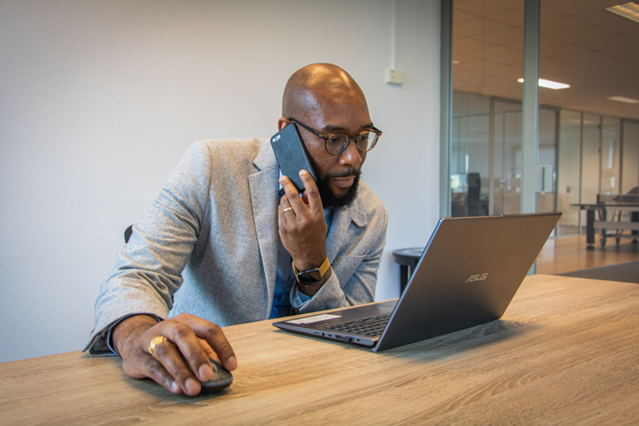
[(616, 205), (566, 352)]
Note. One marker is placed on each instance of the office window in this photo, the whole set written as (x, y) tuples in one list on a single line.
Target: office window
[(588, 129)]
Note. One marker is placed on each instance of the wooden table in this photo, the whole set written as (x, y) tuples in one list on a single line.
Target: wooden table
[(566, 352)]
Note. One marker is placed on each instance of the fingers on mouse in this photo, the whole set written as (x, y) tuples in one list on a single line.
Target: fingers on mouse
[(221, 378)]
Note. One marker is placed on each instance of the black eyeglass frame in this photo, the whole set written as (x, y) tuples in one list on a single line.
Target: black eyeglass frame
[(327, 137)]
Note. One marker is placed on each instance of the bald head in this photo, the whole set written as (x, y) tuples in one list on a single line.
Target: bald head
[(320, 88)]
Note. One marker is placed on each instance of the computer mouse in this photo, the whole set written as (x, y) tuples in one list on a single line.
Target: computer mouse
[(220, 379)]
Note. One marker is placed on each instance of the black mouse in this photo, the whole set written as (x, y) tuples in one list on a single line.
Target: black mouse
[(220, 379)]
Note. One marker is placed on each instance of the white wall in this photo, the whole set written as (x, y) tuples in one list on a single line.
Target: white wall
[(99, 100)]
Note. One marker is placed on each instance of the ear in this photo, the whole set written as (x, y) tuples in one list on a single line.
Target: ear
[(282, 122)]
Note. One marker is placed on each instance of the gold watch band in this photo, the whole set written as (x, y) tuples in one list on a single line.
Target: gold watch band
[(322, 269)]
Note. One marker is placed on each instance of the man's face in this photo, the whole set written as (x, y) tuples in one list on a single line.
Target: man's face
[(337, 175)]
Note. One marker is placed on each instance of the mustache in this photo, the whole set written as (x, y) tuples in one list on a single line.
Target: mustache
[(345, 173)]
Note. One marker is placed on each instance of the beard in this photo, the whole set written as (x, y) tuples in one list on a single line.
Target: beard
[(329, 198)]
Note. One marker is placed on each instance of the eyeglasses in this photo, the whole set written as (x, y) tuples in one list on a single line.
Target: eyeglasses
[(336, 143)]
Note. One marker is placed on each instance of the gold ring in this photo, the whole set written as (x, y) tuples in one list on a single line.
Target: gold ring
[(155, 343), (287, 209)]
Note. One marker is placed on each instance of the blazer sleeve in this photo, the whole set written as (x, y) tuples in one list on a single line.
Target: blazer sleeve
[(149, 267)]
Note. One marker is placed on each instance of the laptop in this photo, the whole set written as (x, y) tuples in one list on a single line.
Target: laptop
[(467, 275)]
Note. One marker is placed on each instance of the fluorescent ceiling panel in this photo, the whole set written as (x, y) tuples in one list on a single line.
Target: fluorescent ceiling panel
[(623, 99), (628, 11), (549, 84)]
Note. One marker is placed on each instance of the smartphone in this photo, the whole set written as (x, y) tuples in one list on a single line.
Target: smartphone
[(291, 155)]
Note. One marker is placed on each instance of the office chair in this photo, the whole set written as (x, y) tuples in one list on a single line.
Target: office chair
[(472, 200)]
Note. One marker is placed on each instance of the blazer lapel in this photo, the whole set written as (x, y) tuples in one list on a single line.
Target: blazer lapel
[(264, 200), (342, 219)]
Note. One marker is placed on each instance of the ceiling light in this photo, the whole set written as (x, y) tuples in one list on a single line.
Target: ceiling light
[(623, 99), (628, 11), (549, 84)]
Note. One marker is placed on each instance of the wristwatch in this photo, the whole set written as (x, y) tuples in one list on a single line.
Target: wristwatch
[(311, 276)]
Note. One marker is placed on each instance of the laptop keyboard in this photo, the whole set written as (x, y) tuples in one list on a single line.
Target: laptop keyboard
[(371, 327)]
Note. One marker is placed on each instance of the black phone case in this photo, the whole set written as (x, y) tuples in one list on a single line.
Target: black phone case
[(291, 155)]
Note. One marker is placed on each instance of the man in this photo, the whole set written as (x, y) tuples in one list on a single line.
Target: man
[(220, 233)]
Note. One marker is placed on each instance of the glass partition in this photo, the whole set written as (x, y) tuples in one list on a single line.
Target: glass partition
[(470, 161), (568, 171), (590, 163), (610, 156), (469, 158), (507, 164), (488, 60), (630, 159), (547, 157)]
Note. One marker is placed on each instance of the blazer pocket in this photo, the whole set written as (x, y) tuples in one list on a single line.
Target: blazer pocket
[(345, 266)]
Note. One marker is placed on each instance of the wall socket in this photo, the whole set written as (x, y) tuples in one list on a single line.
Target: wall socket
[(394, 76)]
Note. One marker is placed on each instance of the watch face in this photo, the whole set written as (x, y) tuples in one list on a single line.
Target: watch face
[(309, 277)]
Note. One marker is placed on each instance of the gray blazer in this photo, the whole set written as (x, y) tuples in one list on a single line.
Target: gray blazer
[(212, 234)]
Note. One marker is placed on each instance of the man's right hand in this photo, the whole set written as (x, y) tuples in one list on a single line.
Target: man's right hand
[(178, 363)]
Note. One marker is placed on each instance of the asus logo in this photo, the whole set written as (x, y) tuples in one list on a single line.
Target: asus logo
[(481, 277)]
